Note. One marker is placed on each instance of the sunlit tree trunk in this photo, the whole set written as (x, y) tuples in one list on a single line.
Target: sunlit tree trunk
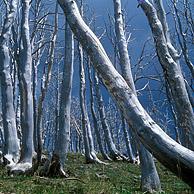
[(63, 137), (94, 116), (149, 177), (63, 134), (90, 154), (127, 141), (175, 157), (11, 147), (113, 152), (172, 71), (25, 67)]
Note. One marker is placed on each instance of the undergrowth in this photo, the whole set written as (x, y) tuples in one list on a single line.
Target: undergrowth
[(115, 178)]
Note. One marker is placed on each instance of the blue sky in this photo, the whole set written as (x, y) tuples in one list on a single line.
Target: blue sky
[(137, 22)]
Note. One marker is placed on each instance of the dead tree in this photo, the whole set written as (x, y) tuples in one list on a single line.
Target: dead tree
[(169, 60), (149, 177), (11, 147), (175, 157)]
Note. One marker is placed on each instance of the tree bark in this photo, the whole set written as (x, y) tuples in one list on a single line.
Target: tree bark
[(113, 152), (63, 137), (90, 154), (25, 67), (94, 116), (11, 147), (172, 71), (175, 157), (45, 84), (149, 177)]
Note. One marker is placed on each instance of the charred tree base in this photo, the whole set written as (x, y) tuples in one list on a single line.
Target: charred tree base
[(53, 168)]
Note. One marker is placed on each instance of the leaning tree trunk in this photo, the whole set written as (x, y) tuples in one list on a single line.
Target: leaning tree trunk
[(25, 67), (149, 177), (175, 157), (172, 72), (11, 147)]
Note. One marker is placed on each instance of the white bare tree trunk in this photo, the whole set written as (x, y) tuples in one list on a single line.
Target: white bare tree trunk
[(94, 115), (169, 60), (11, 147), (25, 67), (45, 83), (63, 136), (175, 157), (149, 177), (113, 152), (90, 153)]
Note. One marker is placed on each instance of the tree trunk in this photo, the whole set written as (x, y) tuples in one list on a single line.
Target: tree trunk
[(45, 84), (94, 116), (90, 154), (172, 71), (63, 137), (114, 153), (149, 177), (25, 67), (11, 147), (175, 157), (127, 142)]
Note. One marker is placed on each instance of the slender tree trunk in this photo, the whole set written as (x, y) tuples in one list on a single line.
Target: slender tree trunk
[(114, 153), (127, 142), (11, 147), (87, 134), (45, 85), (175, 157), (94, 116), (63, 138), (181, 35)]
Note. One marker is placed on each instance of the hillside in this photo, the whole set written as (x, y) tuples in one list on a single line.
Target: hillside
[(115, 178)]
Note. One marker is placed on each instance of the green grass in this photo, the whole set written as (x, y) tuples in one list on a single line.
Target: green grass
[(115, 178)]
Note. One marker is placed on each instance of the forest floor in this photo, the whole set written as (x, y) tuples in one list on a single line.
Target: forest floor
[(115, 178)]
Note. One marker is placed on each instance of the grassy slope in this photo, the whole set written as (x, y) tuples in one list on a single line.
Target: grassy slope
[(115, 178)]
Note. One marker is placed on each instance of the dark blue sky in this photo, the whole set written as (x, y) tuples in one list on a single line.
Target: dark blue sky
[(137, 21)]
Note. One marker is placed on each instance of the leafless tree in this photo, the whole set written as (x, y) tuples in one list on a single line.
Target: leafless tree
[(150, 134)]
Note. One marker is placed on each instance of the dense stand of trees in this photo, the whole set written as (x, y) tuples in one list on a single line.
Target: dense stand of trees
[(39, 58)]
